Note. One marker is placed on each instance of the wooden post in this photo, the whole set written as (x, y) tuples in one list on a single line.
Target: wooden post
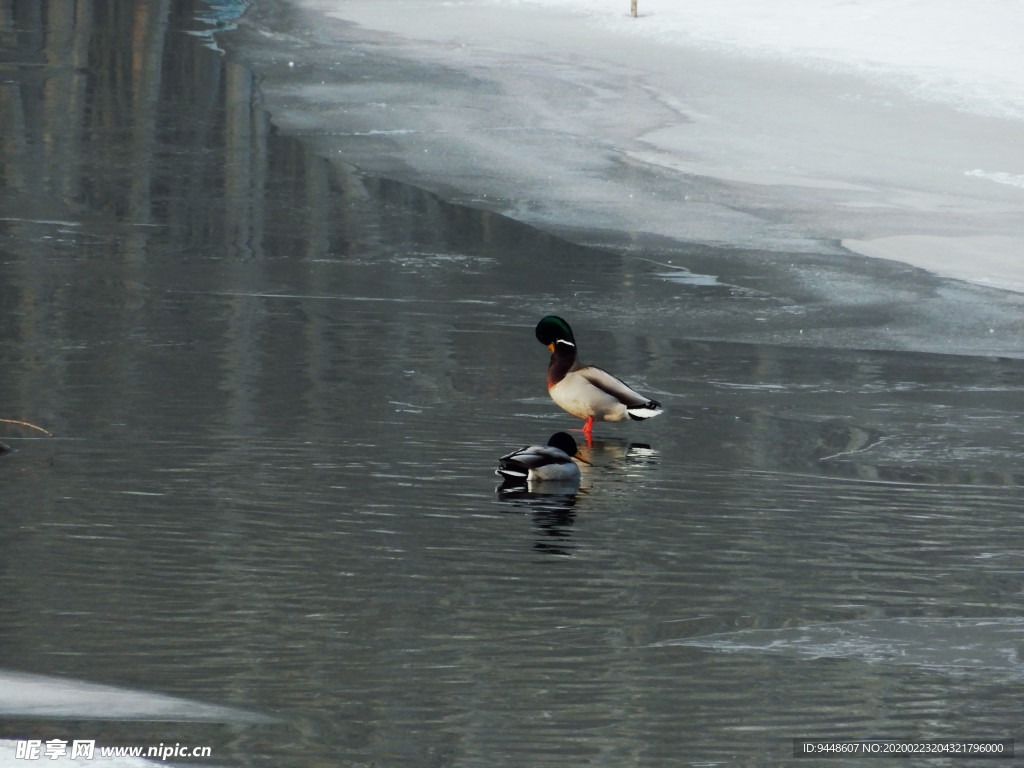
[(632, 8)]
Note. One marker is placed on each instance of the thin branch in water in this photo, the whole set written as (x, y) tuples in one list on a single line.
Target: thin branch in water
[(26, 424)]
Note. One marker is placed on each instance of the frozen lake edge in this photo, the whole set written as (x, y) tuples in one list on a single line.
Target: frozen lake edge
[(605, 153)]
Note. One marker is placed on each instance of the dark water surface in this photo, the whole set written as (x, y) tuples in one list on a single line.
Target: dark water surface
[(278, 389)]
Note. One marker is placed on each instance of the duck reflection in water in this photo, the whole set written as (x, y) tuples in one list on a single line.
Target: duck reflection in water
[(546, 479), (617, 455), (552, 507)]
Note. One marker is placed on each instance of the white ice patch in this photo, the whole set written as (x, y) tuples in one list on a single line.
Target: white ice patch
[(1000, 177), (686, 277), (29, 695), (953, 645)]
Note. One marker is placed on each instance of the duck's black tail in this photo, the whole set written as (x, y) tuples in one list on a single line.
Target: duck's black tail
[(511, 469), (648, 410)]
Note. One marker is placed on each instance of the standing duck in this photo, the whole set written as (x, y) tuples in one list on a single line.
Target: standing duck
[(585, 391), (553, 461)]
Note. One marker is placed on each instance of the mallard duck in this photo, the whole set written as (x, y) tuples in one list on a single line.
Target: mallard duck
[(553, 461), (583, 390)]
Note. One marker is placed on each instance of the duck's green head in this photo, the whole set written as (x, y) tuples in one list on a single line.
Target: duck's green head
[(553, 329)]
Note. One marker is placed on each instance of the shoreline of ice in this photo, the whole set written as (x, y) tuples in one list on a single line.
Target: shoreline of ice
[(571, 115)]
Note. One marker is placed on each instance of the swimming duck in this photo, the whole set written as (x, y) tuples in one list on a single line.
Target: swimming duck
[(585, 391), (553, 461)]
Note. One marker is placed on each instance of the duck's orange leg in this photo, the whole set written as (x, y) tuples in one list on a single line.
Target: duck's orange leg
[(588, 427)]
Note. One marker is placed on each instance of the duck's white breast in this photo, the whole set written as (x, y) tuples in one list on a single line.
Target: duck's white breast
[(582, 399)]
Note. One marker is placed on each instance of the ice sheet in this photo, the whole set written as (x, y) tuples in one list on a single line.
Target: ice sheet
[(788, 127), (967, 54), (58, 699), (28, 695), (992, 260)]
